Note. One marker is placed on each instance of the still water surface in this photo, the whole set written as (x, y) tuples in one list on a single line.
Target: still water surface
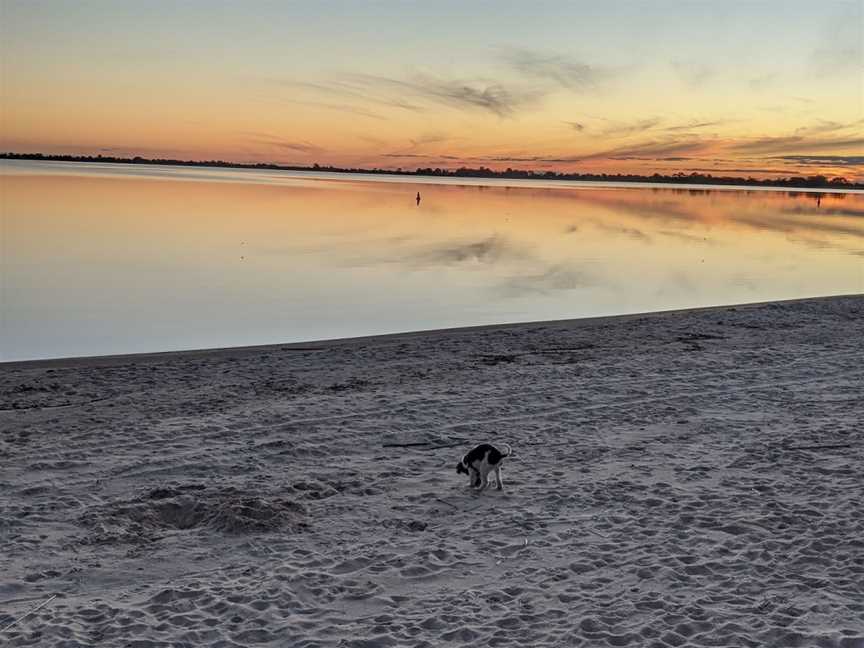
[(103, 259)]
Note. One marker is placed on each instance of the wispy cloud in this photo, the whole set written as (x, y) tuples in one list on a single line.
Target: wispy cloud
[(694, 125), (351, 90), (732, 169), (624, 129), (796, 144), (414, 93), (467, 158), (412, 155), (300, 146), (477, 94), (514, 158), (823, 160), (817, 137), (656, 148), (429, 138), (370, 139), (561, 70), (577, 126), (645, 150), (339, 108), (822, 126), (766, 144), (420, 143)]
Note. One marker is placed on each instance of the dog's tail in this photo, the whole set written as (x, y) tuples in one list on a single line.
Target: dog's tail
[(509, 450)]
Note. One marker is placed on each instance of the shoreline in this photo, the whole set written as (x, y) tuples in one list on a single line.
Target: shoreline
[(322, 344), (466, 180)]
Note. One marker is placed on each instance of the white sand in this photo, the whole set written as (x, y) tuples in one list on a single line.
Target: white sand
[(244, 497)]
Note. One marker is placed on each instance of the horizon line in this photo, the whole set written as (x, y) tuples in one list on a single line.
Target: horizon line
[(816, 181)]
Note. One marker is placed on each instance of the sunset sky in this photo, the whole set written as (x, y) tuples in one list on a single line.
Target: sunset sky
[(740, 88)]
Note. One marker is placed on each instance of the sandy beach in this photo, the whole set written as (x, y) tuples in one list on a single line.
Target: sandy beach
[(691, 478)]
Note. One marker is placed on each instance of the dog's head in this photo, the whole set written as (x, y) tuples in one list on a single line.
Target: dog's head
[(461, 468)]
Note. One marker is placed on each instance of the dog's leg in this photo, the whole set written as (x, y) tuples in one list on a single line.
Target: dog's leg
[(484, 481), (499, 484), (474, 476)]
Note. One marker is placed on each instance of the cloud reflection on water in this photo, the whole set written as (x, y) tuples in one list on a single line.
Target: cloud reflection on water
[(109, 262)]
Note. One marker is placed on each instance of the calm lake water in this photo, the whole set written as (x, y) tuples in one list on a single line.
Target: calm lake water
[(103, 259)]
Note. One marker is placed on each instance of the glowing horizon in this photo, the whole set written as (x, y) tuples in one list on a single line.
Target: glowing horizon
[(742, 89)]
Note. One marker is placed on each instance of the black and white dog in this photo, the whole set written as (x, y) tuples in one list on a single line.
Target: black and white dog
[(482, 460)]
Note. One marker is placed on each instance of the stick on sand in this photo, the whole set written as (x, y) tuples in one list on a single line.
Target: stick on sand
[(21, 618)]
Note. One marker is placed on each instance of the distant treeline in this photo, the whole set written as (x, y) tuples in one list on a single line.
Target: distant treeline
[(814, 181)]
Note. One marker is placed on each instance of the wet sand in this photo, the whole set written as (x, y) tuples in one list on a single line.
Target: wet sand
[(679, 479)]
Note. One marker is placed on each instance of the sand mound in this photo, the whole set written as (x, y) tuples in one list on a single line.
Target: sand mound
[(166, 509), (252, 514)]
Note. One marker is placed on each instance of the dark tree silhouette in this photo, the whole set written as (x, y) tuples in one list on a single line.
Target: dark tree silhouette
[(814, 181)]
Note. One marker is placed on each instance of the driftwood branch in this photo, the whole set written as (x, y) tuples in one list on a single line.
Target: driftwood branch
[(31, 611)]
